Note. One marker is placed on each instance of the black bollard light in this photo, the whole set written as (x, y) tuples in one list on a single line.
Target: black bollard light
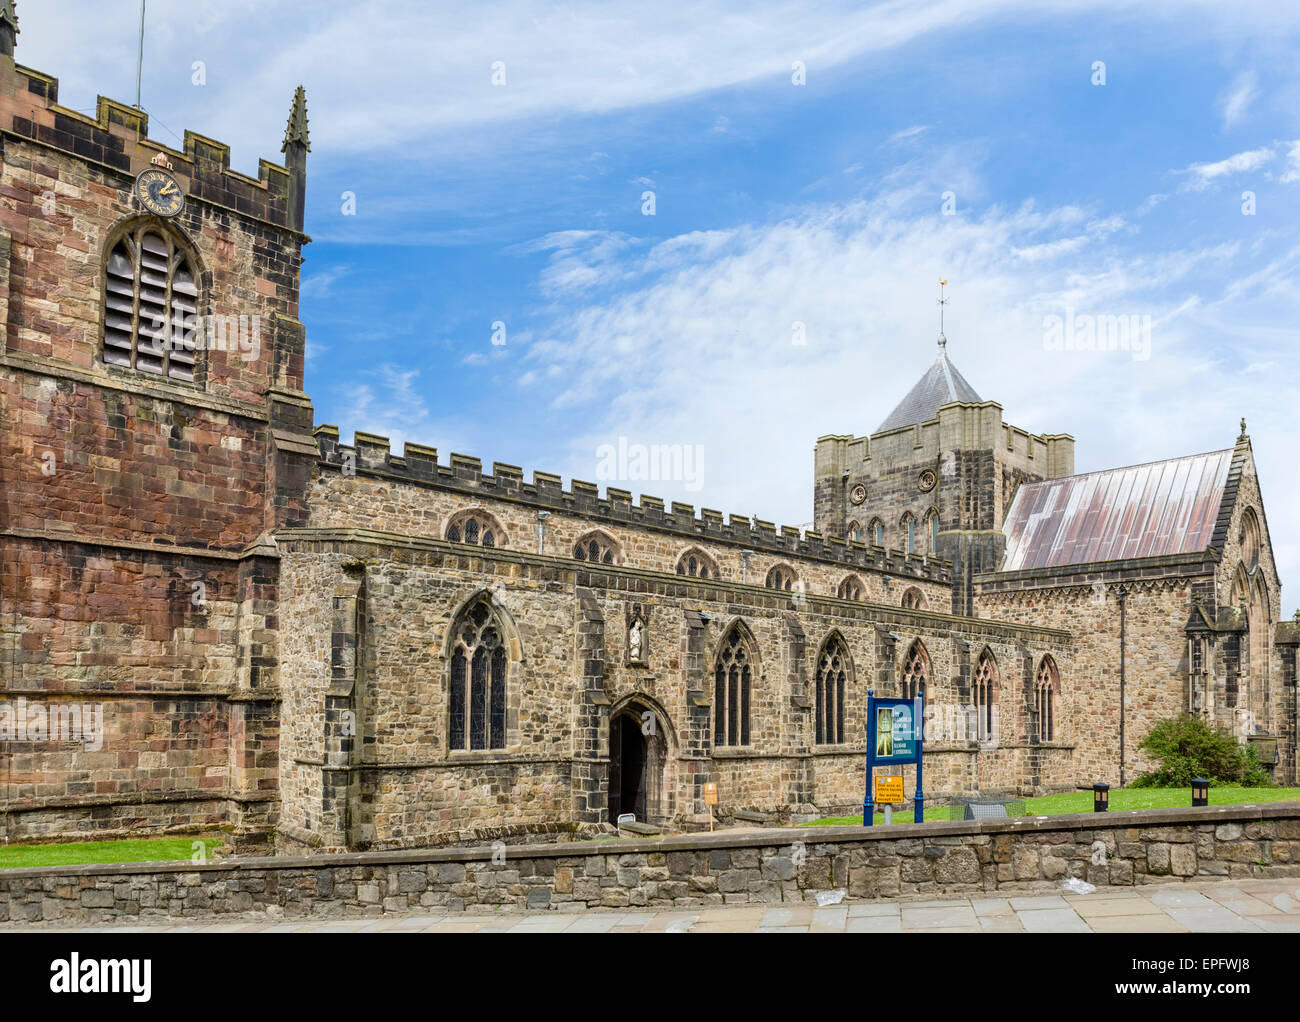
[(1200, 791), (1100, 798)]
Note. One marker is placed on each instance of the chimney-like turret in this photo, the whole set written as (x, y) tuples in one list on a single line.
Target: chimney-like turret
[(296, 147), (8, 28)]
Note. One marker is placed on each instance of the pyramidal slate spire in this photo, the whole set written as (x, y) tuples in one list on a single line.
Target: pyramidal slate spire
[(940, 384)]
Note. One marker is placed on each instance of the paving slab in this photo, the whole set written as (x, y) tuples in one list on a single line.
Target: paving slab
[(1180, 898), (1052, 920), (952, 914), (874, 924), (1116, 907), (1157, 922), (1213, 920), (1044, 901)]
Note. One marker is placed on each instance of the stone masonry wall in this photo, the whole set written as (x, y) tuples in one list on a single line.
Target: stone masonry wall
[(413, 790), (762, 866)]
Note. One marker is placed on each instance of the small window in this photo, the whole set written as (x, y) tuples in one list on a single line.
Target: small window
[(851, 589), (913, 599), (150, 305), (878, 532), (697, 563), (475, 527), (781, 577), (596, 547)]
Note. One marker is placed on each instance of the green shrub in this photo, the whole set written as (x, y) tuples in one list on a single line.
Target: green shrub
[(1188, 747)]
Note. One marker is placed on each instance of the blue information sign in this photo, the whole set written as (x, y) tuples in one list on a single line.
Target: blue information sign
[(895, 736)]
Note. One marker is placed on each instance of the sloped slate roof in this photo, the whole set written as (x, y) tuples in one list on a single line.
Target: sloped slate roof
[(1164, 507), (940, 384)]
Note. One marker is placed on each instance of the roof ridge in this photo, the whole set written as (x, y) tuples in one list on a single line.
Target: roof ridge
[(1125, 468)]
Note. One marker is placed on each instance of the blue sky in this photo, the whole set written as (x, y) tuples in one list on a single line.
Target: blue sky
[(775, 204)]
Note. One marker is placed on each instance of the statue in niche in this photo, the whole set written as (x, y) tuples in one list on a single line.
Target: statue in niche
[(635, 642)]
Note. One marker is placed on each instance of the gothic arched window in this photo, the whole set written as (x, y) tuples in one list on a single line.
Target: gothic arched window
[(878, 532), (733, 679), (477, 527), (855, 532), (151, 297), (697, 563), (908, 525), (851, 589), (1046, 688), (916, 670), (477, 708), (780, 577), (985, 696), (833, 669), (597, 547), (1249, 539), (932, 530), (913, 599)]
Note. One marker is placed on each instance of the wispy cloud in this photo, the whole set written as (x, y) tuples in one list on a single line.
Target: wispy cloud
[(1237, 100)]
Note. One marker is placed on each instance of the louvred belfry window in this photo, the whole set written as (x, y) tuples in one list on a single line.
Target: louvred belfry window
[(150, 306)]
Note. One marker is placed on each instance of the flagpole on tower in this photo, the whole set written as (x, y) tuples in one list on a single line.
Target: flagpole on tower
[(139, 62)]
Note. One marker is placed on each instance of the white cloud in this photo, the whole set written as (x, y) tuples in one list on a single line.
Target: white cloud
[(1236, 101), (701, 350), (1201, 175)]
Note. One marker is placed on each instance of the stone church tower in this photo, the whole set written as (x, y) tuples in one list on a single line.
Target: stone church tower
[(936, 477)]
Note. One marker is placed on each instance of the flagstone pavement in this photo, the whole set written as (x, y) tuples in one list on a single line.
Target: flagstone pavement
[(1237, 906)]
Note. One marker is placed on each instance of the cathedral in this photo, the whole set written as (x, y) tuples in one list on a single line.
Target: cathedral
[(218, 613)]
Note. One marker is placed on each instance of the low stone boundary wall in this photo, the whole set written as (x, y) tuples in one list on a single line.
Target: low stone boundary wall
[(786, 864)]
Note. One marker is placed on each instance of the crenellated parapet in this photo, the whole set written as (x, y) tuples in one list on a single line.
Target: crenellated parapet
[(370, 455), (116, 139)]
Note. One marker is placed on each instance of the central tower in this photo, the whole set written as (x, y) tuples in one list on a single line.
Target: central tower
[(936, 477)]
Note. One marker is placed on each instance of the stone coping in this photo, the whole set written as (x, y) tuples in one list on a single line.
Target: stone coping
[(747, 838), (304, 539)]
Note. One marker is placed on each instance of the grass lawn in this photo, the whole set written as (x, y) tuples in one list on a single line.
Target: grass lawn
[(1081, 802), (166, 849)]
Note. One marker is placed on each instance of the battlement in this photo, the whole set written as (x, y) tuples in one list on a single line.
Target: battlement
[(960, 425), (116, 139), (418, 465)]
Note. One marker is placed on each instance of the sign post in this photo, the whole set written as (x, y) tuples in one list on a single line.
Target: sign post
[(895, 736)]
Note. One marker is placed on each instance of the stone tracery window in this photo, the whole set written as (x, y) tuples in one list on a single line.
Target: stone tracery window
[(596, 547), (697, 563), (984, 692), (833, 667), (908, 525), (913, 599), (932, 531), (855, 532), (733, 681), (1046, 688), (477, 708), (780, 577), (151, 299), (851, 589), (476, 527), (916, 670), (877, 532)]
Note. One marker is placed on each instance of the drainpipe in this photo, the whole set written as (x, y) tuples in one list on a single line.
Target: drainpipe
[(1122, 592), (541, 530)]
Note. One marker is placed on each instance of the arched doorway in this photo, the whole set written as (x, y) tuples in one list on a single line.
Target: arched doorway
[(637, 756)]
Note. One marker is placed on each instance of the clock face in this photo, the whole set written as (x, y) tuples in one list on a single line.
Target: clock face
[(159, 193)]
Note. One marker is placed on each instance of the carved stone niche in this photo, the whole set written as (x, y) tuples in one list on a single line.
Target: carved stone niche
[(638, 635)]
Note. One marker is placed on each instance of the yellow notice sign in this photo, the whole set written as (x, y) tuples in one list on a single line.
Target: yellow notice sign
[(711, 793), (889, 790)]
